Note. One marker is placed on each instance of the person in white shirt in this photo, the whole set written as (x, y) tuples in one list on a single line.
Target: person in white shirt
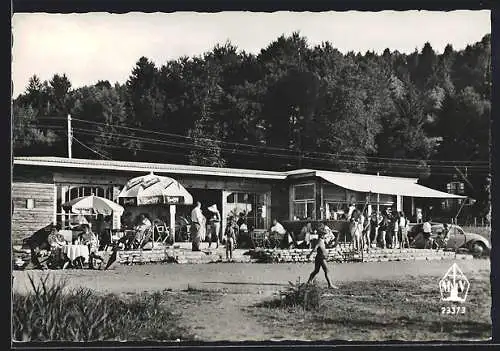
[(197, 220), (427, 229), (277, 228), (403, 228)]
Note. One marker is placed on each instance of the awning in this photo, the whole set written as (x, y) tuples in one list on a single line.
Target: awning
[(366, 183)]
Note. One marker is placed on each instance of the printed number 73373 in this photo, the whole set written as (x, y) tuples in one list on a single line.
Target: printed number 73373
[(453, 310)]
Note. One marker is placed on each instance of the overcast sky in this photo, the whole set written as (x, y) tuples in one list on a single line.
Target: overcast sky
[(102, 46)]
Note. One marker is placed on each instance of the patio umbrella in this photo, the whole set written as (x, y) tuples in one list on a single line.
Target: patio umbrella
[(152, 189), (93, 205)]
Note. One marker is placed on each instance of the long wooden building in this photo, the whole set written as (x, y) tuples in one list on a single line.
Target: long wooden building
[(41, 185)]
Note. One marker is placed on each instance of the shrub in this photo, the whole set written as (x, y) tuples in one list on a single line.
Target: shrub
[(302, 295), (50, 312)]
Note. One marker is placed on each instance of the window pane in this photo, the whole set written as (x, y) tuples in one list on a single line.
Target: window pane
[(310, 210), (299, 210), (304, 192)]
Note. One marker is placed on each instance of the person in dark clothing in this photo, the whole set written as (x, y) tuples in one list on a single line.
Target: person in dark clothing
[(38, 241), (105, 234)]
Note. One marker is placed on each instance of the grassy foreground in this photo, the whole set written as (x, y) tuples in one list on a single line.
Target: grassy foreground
[(408, 310), (50, 312)]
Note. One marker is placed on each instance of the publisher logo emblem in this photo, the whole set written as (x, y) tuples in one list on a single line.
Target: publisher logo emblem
[(454, 286)]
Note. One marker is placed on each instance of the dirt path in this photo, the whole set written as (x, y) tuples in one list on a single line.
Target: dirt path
[(238, 277), (225, 319), (215, 300)]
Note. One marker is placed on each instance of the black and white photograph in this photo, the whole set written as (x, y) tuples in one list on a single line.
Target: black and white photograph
[(232, 176)]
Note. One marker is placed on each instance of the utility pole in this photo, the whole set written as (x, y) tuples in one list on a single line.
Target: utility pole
[(70, 136)]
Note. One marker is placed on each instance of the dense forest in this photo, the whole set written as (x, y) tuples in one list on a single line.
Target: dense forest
[(290, 106)]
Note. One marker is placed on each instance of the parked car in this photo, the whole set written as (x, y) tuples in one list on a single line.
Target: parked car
[(457, 238)]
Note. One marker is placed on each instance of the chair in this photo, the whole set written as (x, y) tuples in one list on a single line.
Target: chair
[(162, 232), (258, 237), (146, 236)]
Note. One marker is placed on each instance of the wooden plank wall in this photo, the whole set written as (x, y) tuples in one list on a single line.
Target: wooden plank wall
[(26, 221)]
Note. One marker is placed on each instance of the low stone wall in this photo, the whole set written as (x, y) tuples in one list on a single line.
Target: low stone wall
[(181, 256), (338, 254), (346, 255)]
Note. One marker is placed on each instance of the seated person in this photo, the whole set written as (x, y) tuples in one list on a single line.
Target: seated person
[(143, 225), (276, 234), (105, 234), (442, 237), (277, 228), (37, 243), (304, 238), (126, 221), (328, 237), (90, 239), (56, 242)]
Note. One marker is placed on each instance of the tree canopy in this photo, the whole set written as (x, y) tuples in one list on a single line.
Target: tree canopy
[(292, 105)]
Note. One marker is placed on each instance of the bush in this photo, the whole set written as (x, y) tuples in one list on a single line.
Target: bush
[(302, 295), (50, 312)]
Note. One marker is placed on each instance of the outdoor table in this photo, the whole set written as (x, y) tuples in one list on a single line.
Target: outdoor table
[(75, 251)]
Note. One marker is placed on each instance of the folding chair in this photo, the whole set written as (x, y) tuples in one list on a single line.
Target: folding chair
[(162, 233), (146, 236)]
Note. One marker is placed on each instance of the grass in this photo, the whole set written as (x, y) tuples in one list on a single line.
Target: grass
[(407, 309), (52, 312), (297, 296)]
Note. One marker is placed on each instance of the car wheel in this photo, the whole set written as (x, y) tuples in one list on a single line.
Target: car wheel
[(478, 249)]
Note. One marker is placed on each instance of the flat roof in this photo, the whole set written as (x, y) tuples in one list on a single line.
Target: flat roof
[(147, 167), (353, 181)]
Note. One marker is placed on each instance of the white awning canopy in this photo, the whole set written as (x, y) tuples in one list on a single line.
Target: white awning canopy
[(367, 183)]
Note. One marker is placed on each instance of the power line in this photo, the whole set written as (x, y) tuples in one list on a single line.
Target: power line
[(268, 147), (399, 168), (88, 148), (249, 152)]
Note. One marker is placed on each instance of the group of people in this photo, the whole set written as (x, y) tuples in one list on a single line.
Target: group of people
[(305, 239), (50, 239), (203, 228), (387, 228)]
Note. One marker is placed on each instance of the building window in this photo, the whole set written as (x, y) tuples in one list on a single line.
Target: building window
[(251, 205), (304, 202), (455, 188), (68, 192), (30, 204)]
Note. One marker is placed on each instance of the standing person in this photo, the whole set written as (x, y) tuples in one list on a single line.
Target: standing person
[(427, 230), (395, 231), (373, 228), (214, 221), (403, 228), (383, 226), (320, 260), (197, 220), (230, 235), (366, 230), (352, 208)]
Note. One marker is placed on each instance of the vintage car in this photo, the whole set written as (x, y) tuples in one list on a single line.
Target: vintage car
[(457, 238)]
